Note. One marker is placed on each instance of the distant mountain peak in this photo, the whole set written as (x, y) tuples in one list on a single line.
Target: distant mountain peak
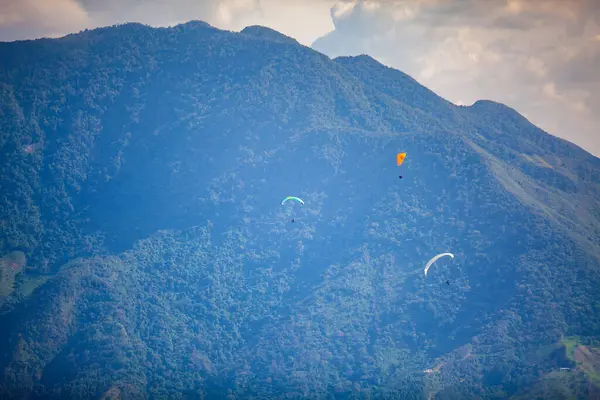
[(489, 104), (395, 83), (362, 58), (196, 24), (492, 107), (267, 33)]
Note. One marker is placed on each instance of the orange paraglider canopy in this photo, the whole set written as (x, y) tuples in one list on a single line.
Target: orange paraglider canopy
[(400, 158)]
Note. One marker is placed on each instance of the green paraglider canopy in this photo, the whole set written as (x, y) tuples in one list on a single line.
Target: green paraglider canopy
[(292, 198)]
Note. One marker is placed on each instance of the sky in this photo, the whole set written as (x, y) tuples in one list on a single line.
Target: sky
[(540, 57)]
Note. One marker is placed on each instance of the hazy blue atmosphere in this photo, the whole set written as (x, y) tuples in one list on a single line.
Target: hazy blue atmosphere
[(148, 252)]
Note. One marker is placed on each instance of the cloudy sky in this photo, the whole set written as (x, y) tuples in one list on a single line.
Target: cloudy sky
[(541, 57)]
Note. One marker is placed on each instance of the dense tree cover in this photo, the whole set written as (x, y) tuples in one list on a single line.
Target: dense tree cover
[(142, 174)]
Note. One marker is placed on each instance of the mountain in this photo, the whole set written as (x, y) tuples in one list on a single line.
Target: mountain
[(142, 175)]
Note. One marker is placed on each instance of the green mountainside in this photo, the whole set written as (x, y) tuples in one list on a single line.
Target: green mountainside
[(142, 175)]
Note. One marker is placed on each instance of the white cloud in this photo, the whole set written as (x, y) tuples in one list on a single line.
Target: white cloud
[(537, 66), (549, 90), (540, 57), (229, 10), (24, 19), (302, 20), (342, 8)]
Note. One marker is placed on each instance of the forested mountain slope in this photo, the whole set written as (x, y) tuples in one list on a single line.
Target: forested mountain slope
[(142, 174)]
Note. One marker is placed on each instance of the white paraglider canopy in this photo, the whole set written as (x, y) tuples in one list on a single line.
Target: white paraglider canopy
[(434, 259)]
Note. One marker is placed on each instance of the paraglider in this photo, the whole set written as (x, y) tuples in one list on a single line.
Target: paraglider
[(299, 200), (292, 198), (434, 259), (399, 160)]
